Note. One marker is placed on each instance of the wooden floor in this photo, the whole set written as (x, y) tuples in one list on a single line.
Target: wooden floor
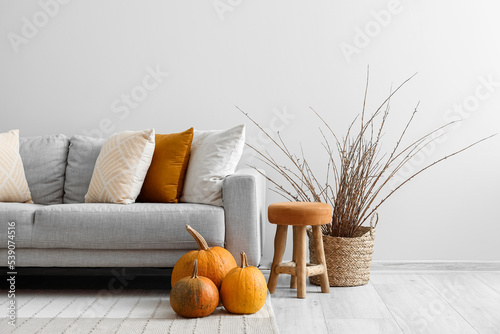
[(404, 302)]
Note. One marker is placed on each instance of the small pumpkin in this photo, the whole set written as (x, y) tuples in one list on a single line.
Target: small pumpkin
[(213, 263), (195, 296), (244, 290)]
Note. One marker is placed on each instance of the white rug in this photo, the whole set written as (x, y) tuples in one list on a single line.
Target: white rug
[(134, 311)]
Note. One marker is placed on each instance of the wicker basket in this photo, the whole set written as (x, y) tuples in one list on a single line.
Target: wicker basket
[(348, 260)]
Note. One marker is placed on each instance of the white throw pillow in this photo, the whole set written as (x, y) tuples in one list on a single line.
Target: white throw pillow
[(214, 155), (13, 184), (121, 167)]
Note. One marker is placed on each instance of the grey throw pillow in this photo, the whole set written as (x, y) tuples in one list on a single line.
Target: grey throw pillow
[(82, 156), (44, 160)]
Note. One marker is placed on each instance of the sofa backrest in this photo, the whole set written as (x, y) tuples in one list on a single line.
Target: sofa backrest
[(44, 160), (82, 156)]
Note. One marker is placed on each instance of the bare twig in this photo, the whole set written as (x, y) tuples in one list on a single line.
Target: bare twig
[(360, 171)]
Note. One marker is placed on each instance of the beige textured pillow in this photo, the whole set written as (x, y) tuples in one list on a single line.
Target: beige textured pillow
[(121, 167), (13, 184)]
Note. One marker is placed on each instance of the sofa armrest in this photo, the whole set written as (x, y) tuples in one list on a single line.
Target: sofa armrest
[(244, 198)]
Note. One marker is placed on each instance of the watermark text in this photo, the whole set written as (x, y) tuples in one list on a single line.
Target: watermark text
[(31, 27), (365, 35), (11, 273), (126, 102)]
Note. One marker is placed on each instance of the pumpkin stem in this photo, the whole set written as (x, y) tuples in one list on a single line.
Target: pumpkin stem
[(195, 269), (244, 262), (202, 244)]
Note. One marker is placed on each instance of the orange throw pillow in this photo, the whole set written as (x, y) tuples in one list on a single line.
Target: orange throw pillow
[(165, 177)]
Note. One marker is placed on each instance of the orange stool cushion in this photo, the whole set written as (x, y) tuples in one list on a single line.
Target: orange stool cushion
[(299, 213)]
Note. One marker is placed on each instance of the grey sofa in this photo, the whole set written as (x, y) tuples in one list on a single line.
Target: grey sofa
[(60, 230)]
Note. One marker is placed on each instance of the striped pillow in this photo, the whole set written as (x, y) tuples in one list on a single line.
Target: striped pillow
[(13, 184), (121, 167)]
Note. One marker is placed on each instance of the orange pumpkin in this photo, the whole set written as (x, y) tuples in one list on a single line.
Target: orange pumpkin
[(213, 263), (244, 290), (195, 296)]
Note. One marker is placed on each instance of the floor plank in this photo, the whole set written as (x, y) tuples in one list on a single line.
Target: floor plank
[(380, 278), (294, 315), (472, 298), (364, 326), (360, 302), (405, 302), (418, 308), (492, 280)]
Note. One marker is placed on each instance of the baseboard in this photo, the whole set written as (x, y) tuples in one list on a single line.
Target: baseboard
[(402, 266)]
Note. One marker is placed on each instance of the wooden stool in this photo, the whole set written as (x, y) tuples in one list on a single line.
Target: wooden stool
[(299, 215)]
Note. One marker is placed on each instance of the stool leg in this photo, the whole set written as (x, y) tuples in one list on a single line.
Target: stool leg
[(293, 278), (320, 254), (301, 261), (279, 250)]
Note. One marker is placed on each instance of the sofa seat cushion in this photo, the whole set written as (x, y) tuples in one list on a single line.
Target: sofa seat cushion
[(133, 226), (23, 214), (44, 160)]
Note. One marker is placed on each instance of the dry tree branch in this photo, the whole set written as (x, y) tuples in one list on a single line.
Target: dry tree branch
[(364, 98), (425, 168), (360, 170)]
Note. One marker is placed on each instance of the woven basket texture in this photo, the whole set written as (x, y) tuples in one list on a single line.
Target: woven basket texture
[(348, 260)]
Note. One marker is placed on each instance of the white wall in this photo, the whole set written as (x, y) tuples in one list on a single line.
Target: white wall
[(276, 57)]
